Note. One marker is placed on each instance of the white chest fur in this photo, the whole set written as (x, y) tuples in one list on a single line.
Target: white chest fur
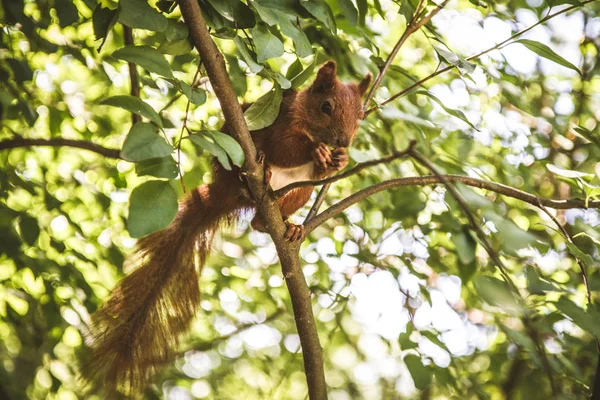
[(284, 176)]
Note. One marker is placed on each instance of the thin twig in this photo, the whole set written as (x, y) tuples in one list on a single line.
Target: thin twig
[(472, 221), (411, 28), (60, 142), (448, 68), (133, 74), (184, 127), (352, 171), (318, 202)]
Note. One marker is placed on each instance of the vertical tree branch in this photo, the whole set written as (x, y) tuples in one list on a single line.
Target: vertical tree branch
[(133, 74), (267, 207)]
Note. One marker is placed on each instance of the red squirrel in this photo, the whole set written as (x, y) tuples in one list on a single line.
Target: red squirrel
[(136, 332)]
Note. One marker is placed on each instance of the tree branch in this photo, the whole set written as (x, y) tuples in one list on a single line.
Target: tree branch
[(133, 74), (318, 202), (411, 28), (472, 221), (60, 142), (267, 207), (352, 171), (432, 180), (448, 68)]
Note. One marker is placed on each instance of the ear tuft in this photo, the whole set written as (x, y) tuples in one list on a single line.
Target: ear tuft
[(326, 77), (364, 83)]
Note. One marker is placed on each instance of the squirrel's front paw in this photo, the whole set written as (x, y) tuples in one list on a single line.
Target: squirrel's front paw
[(339, 159), (322, 156)]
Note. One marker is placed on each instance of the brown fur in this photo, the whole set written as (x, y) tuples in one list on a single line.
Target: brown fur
[(135, 332)]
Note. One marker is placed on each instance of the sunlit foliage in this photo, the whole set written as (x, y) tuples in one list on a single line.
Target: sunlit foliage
[(408, 302)]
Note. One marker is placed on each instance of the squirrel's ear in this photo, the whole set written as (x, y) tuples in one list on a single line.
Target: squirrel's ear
[(325, 77), (364, 83)]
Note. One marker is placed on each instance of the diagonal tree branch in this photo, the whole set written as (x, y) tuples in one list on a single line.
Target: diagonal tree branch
[(267, 207), (432, 180), (411, 28), (448, 68), (279, 193), (60, 142), (472, 221)]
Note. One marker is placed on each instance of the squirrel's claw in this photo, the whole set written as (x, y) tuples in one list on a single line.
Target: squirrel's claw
[(268, 174), (294, 232), (322, 156), (339, 159), (260, 157)]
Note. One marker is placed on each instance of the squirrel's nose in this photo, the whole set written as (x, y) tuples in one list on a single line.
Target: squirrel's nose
[(342, 142)]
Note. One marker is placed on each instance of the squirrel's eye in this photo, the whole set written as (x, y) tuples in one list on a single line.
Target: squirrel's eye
[(326, 107)]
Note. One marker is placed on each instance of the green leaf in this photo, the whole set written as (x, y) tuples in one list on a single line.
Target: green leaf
[(103, 19), (146, 57), (496, 293), (588, 135), (456, 113), (176, 30), (405, 342), (294, 69), (546, 52), (421, 375), (163, 167), (349, 11), (135, 105), (520, 339), (176, 48), (465, 246), (303, 76), (281, 80), (144, 142), (269, 15), (235, 11), (464, 66), (567, 173), (139, 14), (576, 252), (66, 12), (435, 340), (247, 55), (265, 111), (363, 10), (301, 42), (196, 96), (30, 230), (321, 11), (588, 320), (209, 144), (267, 44), (152, 206), (535, 284), (513, 238), (229, 144)]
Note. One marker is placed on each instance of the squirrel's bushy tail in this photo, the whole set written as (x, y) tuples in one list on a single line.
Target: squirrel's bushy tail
[(135, 333)]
